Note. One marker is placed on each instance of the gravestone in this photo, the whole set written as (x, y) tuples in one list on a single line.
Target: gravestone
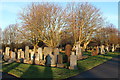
[(53, 64), (18, 55), (40, 53), (102, 49), (10, 54), (107, 48), (7, 51), (22, 54), (60, 61), (37, 58), (56, 53), (68, 51), (13, 55), (78, 52), (73, 61), (27, 52), (32, 55)]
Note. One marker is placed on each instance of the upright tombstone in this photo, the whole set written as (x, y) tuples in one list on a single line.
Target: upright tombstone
[(56, 53), (40, 53), (107, 48), (102, 49), (60, 61), (22, 55), (18, 55), (32, 55), (73, 61), (45, 52), (113, 48), (68, 51), (78, 51), (13, 55), (52, 60), (37, 58), (7, 51), (27, 52)]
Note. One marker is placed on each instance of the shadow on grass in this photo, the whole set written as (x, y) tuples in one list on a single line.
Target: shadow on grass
[(34, 72), (10, 66)]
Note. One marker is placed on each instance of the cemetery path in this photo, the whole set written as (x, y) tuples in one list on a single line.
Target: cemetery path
[(108, 69)]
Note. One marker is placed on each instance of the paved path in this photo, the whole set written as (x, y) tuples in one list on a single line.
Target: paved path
[(108, 69)]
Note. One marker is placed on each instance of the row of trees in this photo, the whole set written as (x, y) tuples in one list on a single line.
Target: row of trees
[(55, 26)]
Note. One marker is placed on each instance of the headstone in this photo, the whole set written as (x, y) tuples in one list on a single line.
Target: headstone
[(113, 48), (102, 49), (13, 55), (22, 54), (56, 53), (107, 48), (78, 52), (37, 58), (32, 55), (18, 55), (27, 52), (73, 61), (60, 59), (53, 62), (68, 51), (7, 51), (40, 53)]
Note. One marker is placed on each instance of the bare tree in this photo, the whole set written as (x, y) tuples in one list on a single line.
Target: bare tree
[(42, 22), (83, 21)]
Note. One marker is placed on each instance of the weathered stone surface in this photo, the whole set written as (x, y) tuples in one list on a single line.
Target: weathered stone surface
[(27, 52), (68, 51), (22, 54), (13, 55), (102, 49), (18, 55), (32, 55), (73, 61), (40, 53), (7, 51), (60, 59)]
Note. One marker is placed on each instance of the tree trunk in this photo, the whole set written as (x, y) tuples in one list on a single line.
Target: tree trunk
[(35, 48), (85, 45)]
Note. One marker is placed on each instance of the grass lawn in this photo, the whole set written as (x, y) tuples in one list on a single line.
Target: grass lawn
[(35, 71)]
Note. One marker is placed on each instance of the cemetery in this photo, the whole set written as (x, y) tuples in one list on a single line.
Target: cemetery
[(53, 42)]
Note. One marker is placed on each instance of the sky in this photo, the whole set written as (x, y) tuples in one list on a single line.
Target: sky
[(9, 11)]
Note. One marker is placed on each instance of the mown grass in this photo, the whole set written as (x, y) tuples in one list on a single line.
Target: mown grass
[(35, 71)]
